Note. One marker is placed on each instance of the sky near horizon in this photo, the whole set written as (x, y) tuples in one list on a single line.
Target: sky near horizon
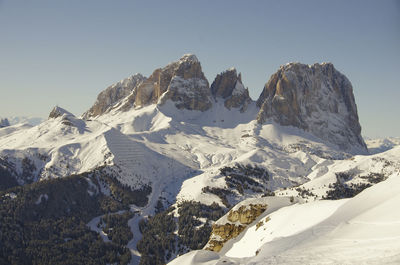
[(66, 52)]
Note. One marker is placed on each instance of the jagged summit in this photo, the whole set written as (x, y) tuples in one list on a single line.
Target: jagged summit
[(182, 82), (58, 112), (189, 57), (225, 83), (228, 86), (288, 64), (112, 95), (188, 87), (316, 98)]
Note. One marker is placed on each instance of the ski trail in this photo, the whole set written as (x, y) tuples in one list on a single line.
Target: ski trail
[(93, 226), (133, 156), (141, 212), (165, 175), (127, 153)]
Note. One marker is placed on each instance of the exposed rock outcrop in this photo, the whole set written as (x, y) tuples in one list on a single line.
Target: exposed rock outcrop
[(236, 222), (316, 98), (246, 214), (221, 234), (183, 82), (58, 112), (4, 123), (228, 86), (67, 118), (112, 95)]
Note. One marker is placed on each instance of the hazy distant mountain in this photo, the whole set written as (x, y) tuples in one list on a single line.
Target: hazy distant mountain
[(4, 123), (24, 119), (379, 145)]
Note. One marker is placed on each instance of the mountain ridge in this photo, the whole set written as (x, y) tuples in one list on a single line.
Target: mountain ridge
[(316, 98)]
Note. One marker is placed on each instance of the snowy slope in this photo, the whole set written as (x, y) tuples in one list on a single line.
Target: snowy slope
[(180, 152), (155, 142), (68, 145), (207, 141), (361, 230), (13, 128), (284, 222)]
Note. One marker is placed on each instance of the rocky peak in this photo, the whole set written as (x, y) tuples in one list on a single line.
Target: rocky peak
[(182, 82), (58, 112), (188, 67), (316, 98), (4, 123), (189, 57), (67, 118), (224, 83), (114, 94), (228, 86)]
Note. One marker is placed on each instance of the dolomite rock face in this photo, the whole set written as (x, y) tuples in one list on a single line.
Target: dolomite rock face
[(237, 220), (229, 87), (58, 112), (191, 94), (316, 98), (246, 214), (221, 234), (112, 95), (183, 82)]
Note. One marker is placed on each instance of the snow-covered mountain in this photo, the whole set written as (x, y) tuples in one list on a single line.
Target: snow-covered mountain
[(175, 109), (189, 141)]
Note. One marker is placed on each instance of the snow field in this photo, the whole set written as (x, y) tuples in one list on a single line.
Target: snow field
[(361, 230)]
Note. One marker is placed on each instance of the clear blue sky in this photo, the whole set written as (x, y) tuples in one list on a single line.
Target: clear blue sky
[(66, 52)]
